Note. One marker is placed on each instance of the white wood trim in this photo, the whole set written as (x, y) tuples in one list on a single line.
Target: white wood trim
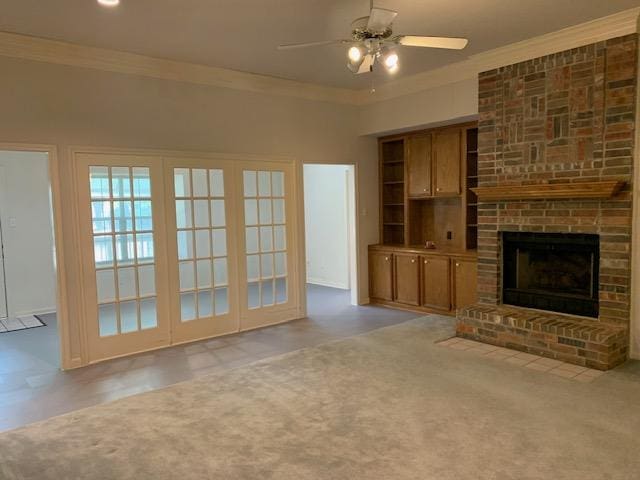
[(324, 283), (64, 53), (39, 311)]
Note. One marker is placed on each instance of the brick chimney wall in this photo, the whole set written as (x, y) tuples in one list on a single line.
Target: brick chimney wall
[(566, 117)]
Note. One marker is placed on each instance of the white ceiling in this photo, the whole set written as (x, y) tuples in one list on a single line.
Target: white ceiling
[(243, 34)]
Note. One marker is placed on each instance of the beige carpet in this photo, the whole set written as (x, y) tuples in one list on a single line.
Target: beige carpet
[(386, 405)]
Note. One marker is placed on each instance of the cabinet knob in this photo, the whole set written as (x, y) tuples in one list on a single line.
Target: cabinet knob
[(438, 189), (457, 264), (386, 259), (426, 261), (424, 189), (413, 260)]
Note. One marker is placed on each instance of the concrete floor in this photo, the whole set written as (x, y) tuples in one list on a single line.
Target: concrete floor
[(33, 388)]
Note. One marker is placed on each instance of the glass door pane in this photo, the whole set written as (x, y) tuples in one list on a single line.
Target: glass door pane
[(201, 237), (123, 249), (202, 258), (265, 233)]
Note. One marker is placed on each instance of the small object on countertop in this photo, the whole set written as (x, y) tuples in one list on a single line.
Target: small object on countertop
[(429, 244)]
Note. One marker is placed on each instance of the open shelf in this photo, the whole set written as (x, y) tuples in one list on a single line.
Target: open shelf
[(471, 218), (392, 196)]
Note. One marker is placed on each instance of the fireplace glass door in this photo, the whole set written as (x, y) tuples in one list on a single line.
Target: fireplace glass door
[(556, 272)]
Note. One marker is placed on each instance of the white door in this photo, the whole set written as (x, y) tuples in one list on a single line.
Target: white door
[(3, 285), (202, 248), (180, 249), (122, 226), (269, 286)]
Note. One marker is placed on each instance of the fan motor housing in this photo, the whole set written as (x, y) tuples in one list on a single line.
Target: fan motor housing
[(360, 31)]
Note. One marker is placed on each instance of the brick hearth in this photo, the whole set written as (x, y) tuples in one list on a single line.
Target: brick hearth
[(568, 338), (567, 117)]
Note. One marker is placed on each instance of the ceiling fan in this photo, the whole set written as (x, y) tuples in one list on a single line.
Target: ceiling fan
[(372, 41)]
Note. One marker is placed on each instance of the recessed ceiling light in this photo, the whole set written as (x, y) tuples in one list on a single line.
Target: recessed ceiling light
[(109, 3)]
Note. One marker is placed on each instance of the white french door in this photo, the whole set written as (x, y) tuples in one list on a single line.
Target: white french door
[(4, 309), (3, 286), (270, 291), (202, 248), (180, 249), (123, 237)]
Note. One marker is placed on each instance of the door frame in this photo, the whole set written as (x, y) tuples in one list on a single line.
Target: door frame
[(351, 217), (62, 306), (4, 299), (355, 264)]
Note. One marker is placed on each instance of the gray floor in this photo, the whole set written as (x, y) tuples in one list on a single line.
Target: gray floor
[(32, 387), (389, 404)]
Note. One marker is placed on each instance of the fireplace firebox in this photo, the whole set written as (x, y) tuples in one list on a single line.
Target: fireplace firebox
[(551, 271)]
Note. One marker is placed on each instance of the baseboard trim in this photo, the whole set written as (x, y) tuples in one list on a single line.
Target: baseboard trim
[(41, 311), (324, 283)]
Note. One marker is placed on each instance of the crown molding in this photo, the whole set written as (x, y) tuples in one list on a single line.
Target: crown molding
[(616, 25), (63, 53), (52, 51)]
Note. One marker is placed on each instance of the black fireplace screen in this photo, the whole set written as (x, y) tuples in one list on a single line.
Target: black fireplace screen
[(551, 271)]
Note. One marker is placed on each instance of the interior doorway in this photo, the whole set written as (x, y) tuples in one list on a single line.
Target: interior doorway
[(330, 234), (28, 323)]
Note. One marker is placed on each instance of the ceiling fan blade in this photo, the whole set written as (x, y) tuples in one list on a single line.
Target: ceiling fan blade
[(293, 46), (432, 42), (380, 19)]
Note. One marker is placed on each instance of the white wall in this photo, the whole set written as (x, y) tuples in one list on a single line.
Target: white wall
[(65, 106), (326, 223), (27, 233), (458, 100)]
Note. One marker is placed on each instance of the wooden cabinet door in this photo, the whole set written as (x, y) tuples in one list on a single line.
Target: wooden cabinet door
[(447, 162), (407, 276), (436, 283), (466, 283), (380, 276), (419, 166)]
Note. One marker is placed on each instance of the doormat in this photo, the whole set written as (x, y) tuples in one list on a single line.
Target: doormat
[(21, 323)]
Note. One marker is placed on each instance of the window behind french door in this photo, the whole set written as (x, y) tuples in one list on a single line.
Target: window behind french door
[(179, 249)]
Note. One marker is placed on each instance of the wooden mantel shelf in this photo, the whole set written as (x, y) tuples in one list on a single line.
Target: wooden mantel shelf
[(606, 189)]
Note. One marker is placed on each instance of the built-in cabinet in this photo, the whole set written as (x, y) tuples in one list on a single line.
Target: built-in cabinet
[(466, 281), (426, 198), (381, 275), (422, 279), (407, 275), (419, 166), (447, 162), (436, 282)]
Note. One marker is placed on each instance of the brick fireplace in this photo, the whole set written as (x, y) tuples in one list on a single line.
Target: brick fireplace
[(560, 119)]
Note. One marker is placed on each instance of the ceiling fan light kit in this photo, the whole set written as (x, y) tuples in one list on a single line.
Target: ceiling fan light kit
[(372, 41)]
